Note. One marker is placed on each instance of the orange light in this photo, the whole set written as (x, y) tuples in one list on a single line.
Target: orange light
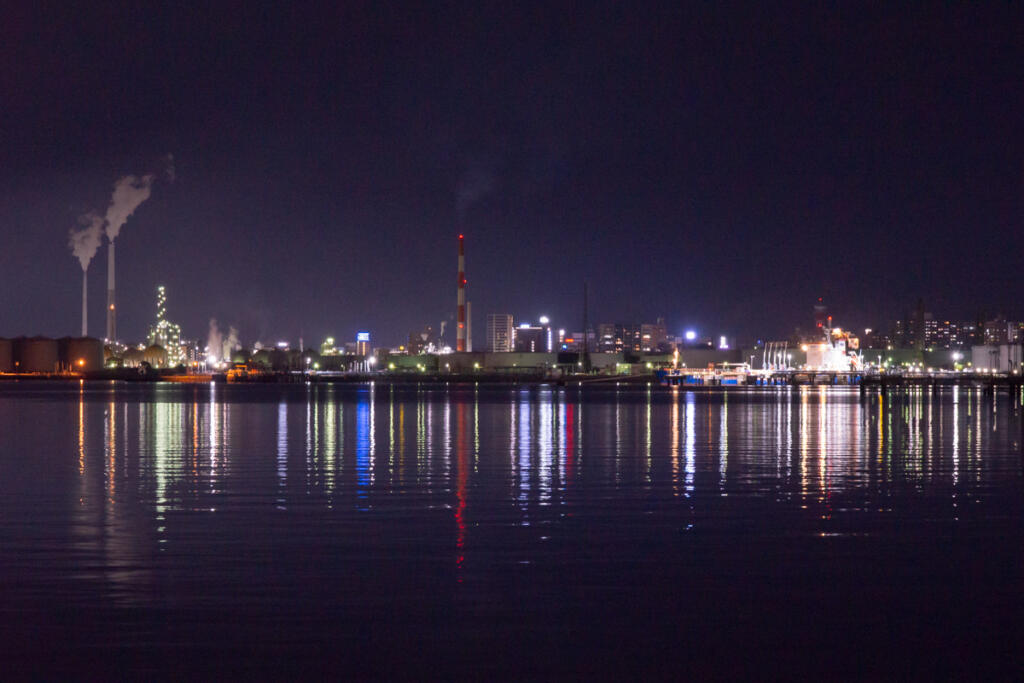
[(81, 362)]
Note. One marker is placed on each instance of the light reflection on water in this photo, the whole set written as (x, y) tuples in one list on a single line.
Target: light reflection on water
[(173, 449), (166, 486)]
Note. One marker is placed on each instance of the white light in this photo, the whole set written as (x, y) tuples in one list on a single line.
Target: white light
[(544, 320), (524, 326), (690, 335)]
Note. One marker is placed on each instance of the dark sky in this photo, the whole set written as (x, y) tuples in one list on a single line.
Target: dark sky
[(721, 165)]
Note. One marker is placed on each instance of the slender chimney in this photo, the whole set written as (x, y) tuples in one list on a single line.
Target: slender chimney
[(586, 332), (469, 326), (111, 312), (460, 332), (85, 307)]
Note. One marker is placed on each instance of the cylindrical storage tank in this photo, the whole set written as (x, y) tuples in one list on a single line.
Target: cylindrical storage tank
[(6, 356), (155, 355), (38, 354), (132, 358), (84, 354)]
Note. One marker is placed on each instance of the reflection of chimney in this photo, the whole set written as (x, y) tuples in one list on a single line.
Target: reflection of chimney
[(111, 312), (460, 333), (85, 308)]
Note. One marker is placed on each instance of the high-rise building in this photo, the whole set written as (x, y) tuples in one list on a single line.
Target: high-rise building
[(500, 332), (618, 337), (362, 344), (531, 338), (998, 331), (653, 337)]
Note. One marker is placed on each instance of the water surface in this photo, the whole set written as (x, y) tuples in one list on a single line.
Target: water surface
[(477, 531)]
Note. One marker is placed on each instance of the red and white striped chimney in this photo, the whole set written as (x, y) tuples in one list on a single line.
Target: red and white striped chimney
[(460, 333)]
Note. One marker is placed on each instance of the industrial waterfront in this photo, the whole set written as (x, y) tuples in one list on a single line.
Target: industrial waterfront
[(384, 530)]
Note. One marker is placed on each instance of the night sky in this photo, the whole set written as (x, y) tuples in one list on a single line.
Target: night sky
[(721, 165)]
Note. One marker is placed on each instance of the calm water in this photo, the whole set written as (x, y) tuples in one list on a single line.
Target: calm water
[(525, 532)]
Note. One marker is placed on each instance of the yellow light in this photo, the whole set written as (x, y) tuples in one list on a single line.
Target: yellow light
[(81, 362)]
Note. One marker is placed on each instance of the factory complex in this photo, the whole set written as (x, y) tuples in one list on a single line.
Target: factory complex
[(515, 349)]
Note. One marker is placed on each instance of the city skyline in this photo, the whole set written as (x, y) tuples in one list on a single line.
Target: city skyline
[(712, 177)]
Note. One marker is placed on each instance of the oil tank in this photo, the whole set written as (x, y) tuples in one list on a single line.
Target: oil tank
[(133, 357), (6, 356), (155, 355), (83, 354), (35, 354)]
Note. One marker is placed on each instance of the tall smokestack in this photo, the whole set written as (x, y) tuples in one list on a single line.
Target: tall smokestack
[(469, 326), (460, 333), (129, 192), (85, 306), (84, 242), (111, 312)]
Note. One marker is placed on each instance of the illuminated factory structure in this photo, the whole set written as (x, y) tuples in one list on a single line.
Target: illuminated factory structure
[(165, 333)]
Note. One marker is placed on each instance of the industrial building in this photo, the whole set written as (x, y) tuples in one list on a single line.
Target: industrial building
[(998, 358), (46, 355)]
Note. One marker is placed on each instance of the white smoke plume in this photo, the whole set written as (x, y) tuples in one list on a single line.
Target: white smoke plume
[(474, 185), (129, 192), (231, 343), (169, 168), (86, 240), (214, 342)]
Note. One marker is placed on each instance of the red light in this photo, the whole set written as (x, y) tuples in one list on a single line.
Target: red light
[(460, 237)]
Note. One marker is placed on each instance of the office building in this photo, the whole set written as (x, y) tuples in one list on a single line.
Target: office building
[(500, 332)]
